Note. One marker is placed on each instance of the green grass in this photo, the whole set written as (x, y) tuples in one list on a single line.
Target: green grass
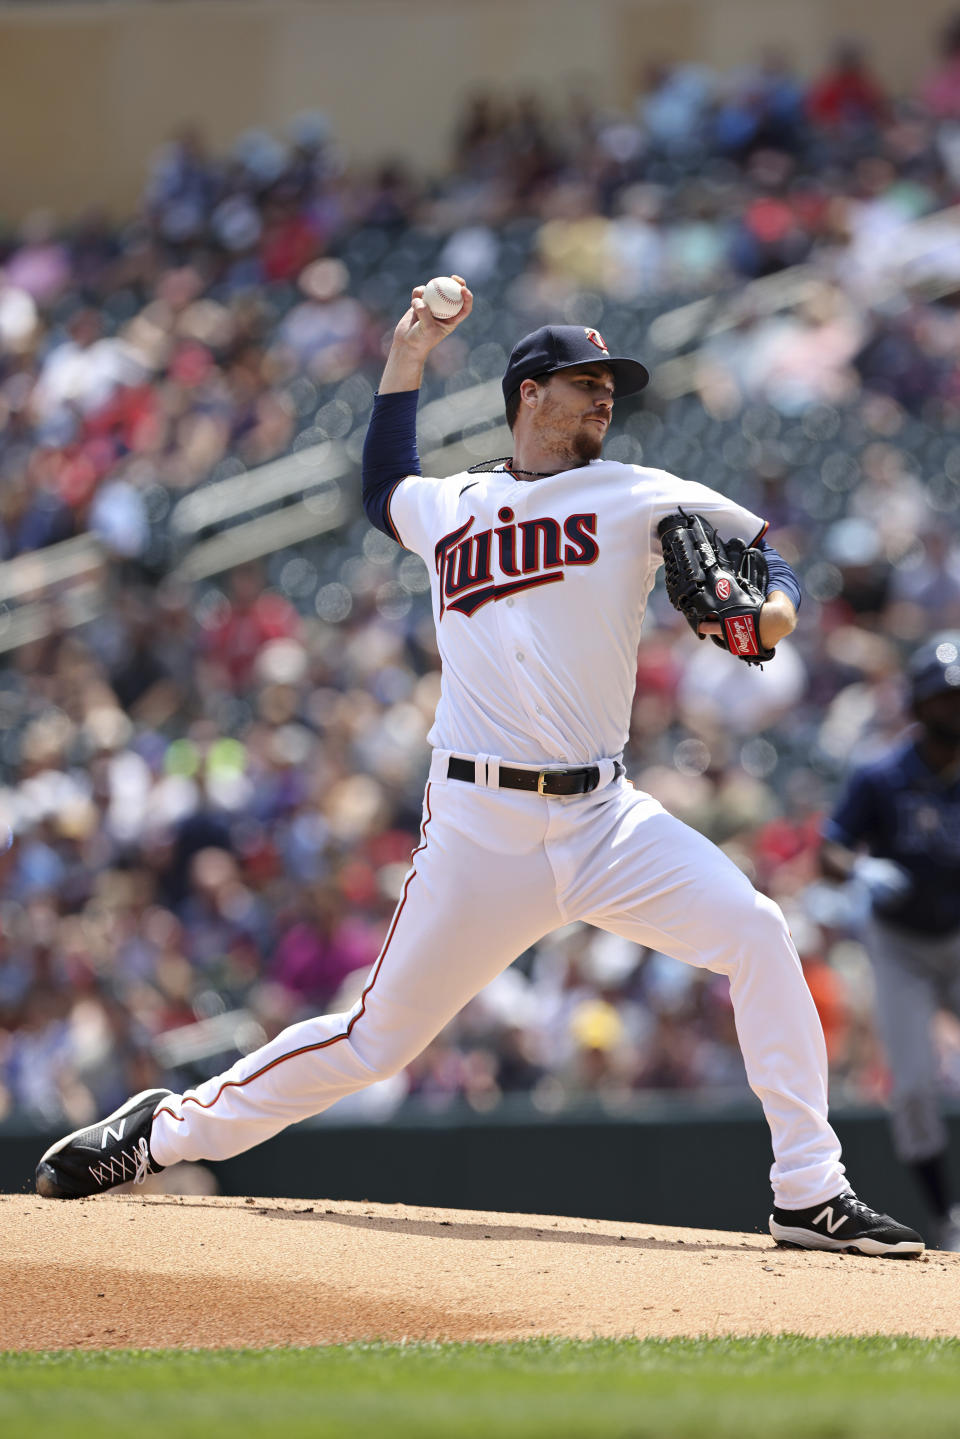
[(763, 1388)]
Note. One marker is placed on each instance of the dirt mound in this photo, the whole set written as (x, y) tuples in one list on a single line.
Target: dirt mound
[(157, 1272)]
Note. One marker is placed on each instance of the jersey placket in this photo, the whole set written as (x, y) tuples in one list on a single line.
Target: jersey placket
[(524, 663)]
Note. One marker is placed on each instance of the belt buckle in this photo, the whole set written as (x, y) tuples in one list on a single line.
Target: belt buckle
[(541, 781)]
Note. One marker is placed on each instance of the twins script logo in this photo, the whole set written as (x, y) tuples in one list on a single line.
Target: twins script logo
[(517, 555)]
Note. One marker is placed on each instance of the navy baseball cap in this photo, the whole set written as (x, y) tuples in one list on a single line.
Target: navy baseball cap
[(935, 668), (567, 347)]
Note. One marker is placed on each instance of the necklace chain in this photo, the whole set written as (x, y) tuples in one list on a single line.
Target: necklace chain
[(507, 462)]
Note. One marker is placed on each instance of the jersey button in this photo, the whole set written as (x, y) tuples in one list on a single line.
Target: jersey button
[(521, 656), (509, 604)]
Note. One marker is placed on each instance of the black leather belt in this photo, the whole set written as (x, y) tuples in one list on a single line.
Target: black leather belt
[(542, 781)]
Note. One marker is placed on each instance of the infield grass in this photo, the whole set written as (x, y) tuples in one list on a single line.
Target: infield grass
[(785, 1387)]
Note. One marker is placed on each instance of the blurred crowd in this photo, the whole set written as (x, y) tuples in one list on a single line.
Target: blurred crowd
[(209, 791)]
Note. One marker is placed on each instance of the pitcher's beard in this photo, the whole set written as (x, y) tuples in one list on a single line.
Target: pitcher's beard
[(588, 445), (581, 449), (571, 447)]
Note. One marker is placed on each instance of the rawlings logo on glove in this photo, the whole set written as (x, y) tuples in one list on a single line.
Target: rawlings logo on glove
[(709, 579)]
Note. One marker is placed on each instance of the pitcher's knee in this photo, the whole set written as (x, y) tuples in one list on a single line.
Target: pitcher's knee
[(381, 1054), (773, 918), (771, 933), (751, 928), (751, 912)]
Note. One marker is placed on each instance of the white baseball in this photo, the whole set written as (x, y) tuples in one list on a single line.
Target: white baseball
[(443, 297)]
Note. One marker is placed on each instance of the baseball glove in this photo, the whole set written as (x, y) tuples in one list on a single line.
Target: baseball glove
[(713, 579)]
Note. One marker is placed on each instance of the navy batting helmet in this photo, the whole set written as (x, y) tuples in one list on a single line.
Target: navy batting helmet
[(935, 668)]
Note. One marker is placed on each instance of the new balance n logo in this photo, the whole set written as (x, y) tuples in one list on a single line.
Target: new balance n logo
[(826, 1214), (115, 1134)]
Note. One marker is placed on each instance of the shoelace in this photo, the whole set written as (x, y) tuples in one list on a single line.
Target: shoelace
[(132, 1165), (142, 1153), (858, 1205)]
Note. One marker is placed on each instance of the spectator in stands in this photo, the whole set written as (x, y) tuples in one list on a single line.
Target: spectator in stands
[(847, 97)]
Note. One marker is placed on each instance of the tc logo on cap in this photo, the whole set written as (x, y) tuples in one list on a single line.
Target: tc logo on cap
[(595, 338)]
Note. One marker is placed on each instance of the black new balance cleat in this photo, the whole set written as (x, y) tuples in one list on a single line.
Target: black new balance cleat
[(113, 1152), (844, 1223)]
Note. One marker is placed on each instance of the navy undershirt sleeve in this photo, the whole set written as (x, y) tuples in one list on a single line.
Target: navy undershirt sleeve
[(782, 576), (389, 454)]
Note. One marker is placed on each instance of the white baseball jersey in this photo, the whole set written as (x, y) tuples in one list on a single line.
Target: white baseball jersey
[(539, 590)]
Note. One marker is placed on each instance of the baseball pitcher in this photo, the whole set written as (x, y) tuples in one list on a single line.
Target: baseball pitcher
[(540, 570)]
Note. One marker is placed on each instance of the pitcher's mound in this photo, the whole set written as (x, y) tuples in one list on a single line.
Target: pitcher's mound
[(160, 1272)]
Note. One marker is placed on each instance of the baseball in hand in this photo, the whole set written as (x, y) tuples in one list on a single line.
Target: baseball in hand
[(443, 297)]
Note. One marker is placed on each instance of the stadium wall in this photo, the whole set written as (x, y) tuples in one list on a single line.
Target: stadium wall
[(89, 90)]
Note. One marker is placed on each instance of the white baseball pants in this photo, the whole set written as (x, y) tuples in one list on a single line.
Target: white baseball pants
[(495, 871)]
